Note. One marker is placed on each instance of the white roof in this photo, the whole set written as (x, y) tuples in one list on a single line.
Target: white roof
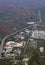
[(30, 23), (9, 42), (41, 49), (19, 44), (26, 59)]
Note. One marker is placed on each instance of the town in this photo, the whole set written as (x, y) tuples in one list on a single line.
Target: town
[(22, 45)]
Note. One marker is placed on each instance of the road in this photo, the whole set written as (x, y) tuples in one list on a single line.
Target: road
[(0, 51)]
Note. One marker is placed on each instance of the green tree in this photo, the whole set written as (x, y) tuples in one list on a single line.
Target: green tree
[(5, 62), (20, 63), (35, 58)]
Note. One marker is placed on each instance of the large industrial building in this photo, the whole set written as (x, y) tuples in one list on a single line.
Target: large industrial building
[(38, 34)]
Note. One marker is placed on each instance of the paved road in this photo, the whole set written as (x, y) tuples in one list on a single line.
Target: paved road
[(0, 51)]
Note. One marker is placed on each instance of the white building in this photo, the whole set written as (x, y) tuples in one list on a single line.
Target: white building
[(9, 49), (10, 42), (30, 23), (15, 44), (38, 34)]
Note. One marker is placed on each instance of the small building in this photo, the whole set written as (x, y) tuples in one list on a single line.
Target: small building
[(25, 60), (9, 55)]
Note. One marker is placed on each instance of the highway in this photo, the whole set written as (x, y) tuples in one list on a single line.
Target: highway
[(3, 41)]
